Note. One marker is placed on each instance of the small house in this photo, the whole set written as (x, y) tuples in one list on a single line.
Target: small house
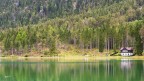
[(126, 51)]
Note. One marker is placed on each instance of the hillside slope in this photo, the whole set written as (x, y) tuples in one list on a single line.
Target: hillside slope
[(23, 12)]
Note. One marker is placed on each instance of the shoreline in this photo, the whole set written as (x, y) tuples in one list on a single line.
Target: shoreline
[(75, 57)]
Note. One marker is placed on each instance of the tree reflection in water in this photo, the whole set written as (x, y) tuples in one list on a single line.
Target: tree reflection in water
[(98, 70)]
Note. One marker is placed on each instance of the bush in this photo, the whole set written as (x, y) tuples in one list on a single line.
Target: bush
[(3, 55), (46, 52), (50, 53), (26, 56)]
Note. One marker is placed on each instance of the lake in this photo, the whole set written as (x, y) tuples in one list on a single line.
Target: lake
[(82, 70)]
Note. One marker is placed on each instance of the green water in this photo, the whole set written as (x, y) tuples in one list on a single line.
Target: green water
[(96, 70)]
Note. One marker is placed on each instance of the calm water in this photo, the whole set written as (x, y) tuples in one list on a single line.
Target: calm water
[(53, 70)]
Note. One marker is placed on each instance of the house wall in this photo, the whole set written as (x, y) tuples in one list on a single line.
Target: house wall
[(126, 54)]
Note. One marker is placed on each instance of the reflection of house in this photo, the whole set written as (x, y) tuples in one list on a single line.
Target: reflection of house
[(126, 64), (126, 51)]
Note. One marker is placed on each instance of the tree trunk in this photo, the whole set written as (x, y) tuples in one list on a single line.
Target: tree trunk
[(108, 45), (75, 41)]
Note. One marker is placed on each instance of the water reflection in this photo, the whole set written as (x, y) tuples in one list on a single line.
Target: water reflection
[(126, 64), (106, 70)]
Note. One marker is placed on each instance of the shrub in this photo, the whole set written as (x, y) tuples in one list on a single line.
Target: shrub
[(26, 56), (46, 52)]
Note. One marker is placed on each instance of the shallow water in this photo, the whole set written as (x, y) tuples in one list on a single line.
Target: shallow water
[(84, 70)]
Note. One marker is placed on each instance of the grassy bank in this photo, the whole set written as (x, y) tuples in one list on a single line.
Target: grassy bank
[(69, 59), (69, 55), (62, 53)]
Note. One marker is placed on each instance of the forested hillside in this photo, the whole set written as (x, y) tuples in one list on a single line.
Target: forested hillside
[(86, 24), (23, 12)]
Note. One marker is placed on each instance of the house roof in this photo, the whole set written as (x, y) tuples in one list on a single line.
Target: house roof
[(126, 48)]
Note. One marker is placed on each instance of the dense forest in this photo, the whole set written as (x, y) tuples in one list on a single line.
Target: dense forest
[(27, 25)]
